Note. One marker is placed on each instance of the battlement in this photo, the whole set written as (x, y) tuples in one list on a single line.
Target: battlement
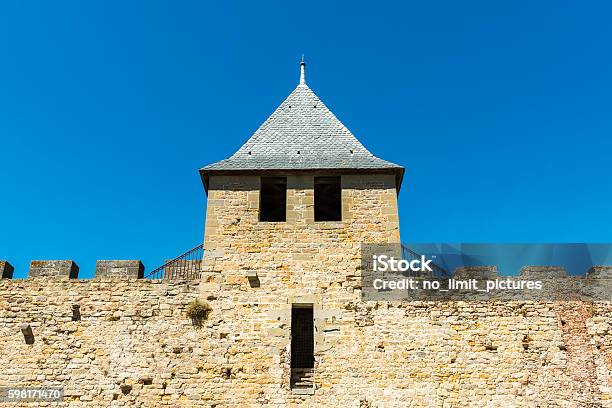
[(105, 269), (53, 268), (134, 269), (533, 272), (132, 342), (120, 269), (6, 270)]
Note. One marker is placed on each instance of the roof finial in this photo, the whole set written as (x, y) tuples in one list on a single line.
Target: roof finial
[(302, 71)]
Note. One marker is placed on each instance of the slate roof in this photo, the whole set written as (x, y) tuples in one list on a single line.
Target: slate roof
[(302, 134)]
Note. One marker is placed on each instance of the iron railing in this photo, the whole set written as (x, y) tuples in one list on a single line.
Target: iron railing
[(185, 266), (438, 271)]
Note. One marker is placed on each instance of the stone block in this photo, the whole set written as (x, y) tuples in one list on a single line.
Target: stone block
[(6, 270), (66, 268), (542, 272), (599, 272), (476, 272), (123, 269)]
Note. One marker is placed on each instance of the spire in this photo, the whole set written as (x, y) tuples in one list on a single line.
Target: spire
[(301, 134), (302, 71)]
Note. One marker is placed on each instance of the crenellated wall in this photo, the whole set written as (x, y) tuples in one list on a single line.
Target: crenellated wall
[(132, 344), (117, 340)]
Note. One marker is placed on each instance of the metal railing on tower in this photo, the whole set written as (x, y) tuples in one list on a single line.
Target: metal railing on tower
[(184, 266)]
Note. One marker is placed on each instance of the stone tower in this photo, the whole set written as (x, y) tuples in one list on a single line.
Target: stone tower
[(302, 191), (286, 215)]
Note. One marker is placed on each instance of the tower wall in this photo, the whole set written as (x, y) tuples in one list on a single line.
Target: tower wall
[(299, 255)]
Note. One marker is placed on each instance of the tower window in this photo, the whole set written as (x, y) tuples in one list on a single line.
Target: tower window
[(302, 346), (273, 199), (327, 199)]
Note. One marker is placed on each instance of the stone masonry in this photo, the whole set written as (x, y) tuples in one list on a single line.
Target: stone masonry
[(133, 344), (54, 268), (382, 354), (120, 269), (6, 270)]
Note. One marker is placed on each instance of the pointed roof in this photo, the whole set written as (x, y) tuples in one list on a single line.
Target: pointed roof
[(302, 134)]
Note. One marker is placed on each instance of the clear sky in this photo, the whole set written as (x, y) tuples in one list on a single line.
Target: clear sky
[(500, 112)]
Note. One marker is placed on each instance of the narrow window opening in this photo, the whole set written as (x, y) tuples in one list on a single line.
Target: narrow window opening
[(273, 199), (302, 347), (327, 199)]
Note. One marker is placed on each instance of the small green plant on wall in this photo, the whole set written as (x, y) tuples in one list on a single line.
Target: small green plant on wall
[(198, 311)]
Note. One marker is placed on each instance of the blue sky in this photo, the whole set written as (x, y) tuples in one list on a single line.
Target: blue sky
[(500, 112)]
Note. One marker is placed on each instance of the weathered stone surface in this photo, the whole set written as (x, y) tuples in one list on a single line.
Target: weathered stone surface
[(377, 354), (132, 343), (132, 269), (53, 268), (476, 272), (542, 272), (130, 334), (135, 346), (6, 270), (599, 272)]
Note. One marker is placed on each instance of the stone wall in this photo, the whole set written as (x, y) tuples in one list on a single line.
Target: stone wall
[(377, 354), (132, 344)]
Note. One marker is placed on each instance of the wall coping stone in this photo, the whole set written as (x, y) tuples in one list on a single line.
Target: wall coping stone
[(123, 269), (6, 270), (54, 268)]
